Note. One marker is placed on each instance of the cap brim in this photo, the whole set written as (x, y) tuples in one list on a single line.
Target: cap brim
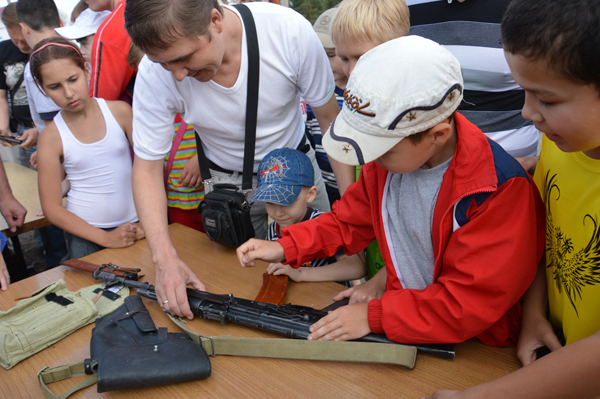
[(349, 146), (74, 32), (277, 194), (326, 40)]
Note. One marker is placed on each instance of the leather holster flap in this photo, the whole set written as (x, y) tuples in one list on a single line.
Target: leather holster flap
[(132, 353)]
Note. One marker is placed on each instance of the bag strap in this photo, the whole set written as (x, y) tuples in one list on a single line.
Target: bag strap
[(178, 137), (278, 348), (19, 82), (49, 375), (251, 103), (282, 348)]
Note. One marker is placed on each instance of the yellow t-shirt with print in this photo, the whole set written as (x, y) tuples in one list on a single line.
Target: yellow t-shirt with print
[(570, 187)]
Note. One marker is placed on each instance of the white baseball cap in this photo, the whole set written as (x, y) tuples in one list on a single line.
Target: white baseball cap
[(87, 23), (323, 27), (401, 87)]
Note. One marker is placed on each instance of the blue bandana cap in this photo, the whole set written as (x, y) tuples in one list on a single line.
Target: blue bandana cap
[(282, 175)]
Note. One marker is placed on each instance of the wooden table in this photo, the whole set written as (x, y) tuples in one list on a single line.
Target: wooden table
[(24, 185), (239, 377)]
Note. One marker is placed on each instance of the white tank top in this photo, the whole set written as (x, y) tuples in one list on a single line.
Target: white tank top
[(99, 173)]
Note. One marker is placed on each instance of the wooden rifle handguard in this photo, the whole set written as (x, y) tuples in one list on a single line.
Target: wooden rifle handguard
[(273, 289), (109, 268)]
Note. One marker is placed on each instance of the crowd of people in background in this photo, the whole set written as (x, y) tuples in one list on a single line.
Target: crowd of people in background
[(438, 158)]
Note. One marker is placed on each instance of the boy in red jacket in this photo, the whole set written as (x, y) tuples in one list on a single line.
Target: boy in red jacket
[(459, 221)]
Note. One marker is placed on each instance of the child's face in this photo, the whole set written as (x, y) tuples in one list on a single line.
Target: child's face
[(288, 215), (350, 51), (65, 83), (336, 64), (567, 112), (85, 46), (405, 157)]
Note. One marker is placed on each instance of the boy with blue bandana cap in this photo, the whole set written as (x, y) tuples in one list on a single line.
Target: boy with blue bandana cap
[(286, 185)]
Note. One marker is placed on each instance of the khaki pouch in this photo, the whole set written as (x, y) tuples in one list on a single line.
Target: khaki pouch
[(49, 315)]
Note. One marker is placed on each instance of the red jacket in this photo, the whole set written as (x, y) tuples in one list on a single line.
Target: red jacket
[(488, 237), (111, 74)]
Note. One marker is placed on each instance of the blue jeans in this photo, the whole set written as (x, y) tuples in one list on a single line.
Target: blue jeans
[(28, 151)]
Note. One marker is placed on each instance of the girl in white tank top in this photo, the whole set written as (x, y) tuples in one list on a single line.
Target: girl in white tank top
[(90, 140)]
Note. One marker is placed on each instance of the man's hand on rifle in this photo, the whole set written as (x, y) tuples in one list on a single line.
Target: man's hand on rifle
[(269, 251), (170, 287)]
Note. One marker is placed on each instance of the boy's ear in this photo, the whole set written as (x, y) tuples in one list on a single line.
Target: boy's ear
[(88, 75), (61, 23), (312, 194), (25, 29), (441, 132)]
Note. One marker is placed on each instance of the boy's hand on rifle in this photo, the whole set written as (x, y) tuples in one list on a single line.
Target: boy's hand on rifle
[(122, 236), (171, 283), (269, 251), (343, 324), (363, 293)]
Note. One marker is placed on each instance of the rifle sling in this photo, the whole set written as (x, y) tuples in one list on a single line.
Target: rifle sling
[(300, 349)]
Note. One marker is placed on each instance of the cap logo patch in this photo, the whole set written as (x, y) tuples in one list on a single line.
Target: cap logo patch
[(357, 104), (412, 115), (275, 169), (347, 148)]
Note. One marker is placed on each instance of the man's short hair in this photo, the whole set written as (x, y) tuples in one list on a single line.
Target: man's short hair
[(370, 20), (9, 16), (564, 33), (156, 24), (38, 14)]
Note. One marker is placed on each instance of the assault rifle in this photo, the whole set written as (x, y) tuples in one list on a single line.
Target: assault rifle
[(290, 320)]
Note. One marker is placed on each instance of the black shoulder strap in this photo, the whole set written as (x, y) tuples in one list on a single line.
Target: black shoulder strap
[(19, 82), (251, 103)]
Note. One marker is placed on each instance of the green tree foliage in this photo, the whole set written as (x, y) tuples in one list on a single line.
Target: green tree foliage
[(311, 9)]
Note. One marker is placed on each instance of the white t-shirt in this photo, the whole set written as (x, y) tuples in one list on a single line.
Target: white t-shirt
[(41, 107), (292, 65)]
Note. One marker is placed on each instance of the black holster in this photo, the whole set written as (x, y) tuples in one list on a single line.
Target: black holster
[(128, 351)]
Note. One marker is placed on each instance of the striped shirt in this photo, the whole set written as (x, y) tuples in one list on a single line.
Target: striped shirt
[(314, 135), (492, 99), (178, 196)]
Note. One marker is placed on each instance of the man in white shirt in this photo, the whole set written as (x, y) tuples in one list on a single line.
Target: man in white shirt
[(196, 66)]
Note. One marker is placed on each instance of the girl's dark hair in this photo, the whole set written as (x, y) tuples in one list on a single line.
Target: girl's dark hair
[(62, 48)]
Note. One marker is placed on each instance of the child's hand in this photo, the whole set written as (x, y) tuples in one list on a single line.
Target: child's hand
[(343, 324), (281, 269), (535, 334), (139, 231), (122, 236), (269, 251), (363, 293), (33, 159), (4, 277), (190, 175)]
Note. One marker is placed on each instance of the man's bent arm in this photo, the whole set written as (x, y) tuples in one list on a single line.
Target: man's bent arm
[(345, 175), (172, 274)]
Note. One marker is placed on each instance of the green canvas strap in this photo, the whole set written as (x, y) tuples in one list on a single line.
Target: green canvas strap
[(402, 355), (49, 375)]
